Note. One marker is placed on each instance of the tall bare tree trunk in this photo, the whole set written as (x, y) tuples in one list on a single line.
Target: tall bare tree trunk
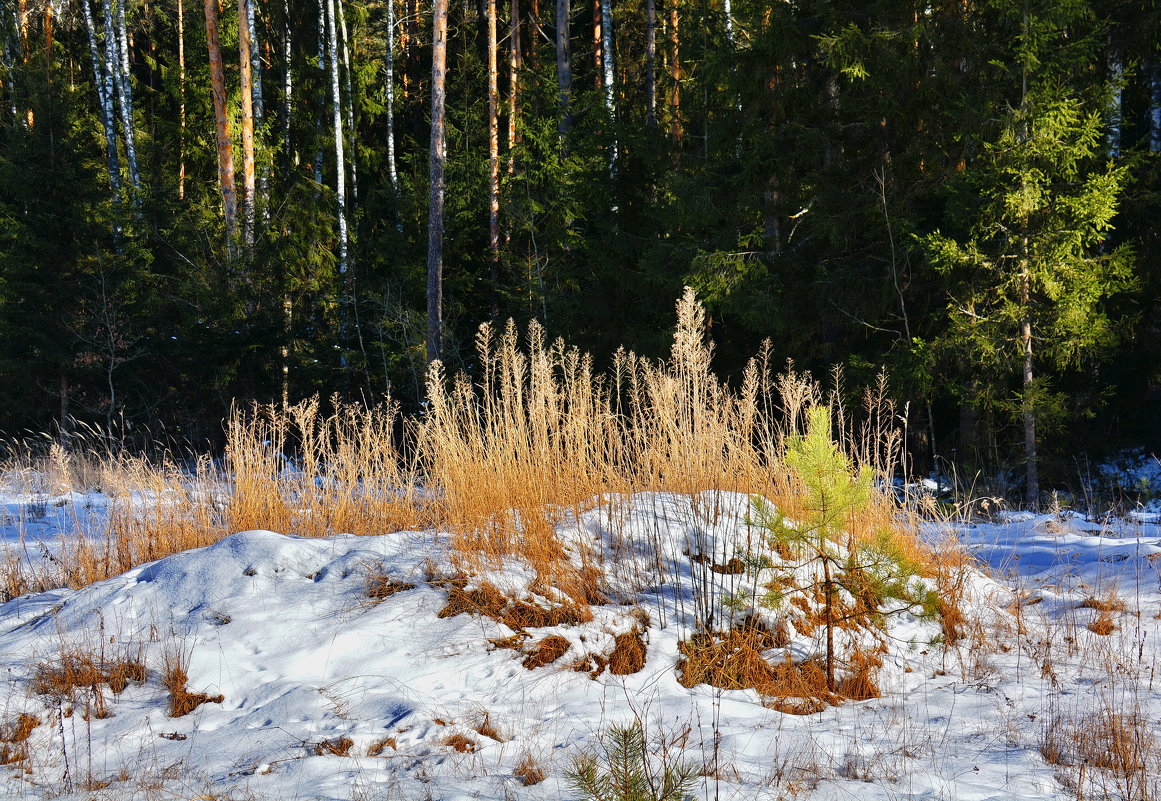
[(610, 81), (337, 119), (225, 145), (676, 128), (533, 38), (513, 82), (10, 49), (389, 67), (563, 66), (597, 22), (181, 98), (105, 98), (247, 125), (348, 104), (120, 62), (493, 158), (651, 63), (287, 85), (436, 198)]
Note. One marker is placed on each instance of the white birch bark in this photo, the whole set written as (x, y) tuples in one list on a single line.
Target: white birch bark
[(340, 160), (287, 82), (125, 96), (255, 63), (389, 67), (607, 63), (322, 67), (105, 100), (349, 102)]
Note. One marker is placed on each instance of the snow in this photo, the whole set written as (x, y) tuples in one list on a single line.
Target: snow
[(282, 628)]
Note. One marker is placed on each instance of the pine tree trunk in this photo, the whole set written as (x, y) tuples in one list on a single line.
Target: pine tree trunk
[(247, 125), (321, 109), (337, 119), (563, 67), (493, 158), (533, 39), (225, 146), (105, 99), (120, 66), (598, 69), (675, 126), (392, 170), (437, 158), (651, 63), (181, 98), (513, 82)]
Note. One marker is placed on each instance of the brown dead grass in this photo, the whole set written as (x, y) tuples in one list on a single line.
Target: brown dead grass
[(379, 746), (14, 736), (340, 746), (547, 651), (519, 615), (380, 585), (1103, 624), (529, 771), (74, 669), (628, 654), (461, 743), (174, 678)]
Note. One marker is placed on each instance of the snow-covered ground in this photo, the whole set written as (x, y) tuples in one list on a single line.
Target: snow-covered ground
[(1023, 706)]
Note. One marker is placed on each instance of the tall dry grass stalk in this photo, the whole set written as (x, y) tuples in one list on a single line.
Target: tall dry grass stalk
[(499, 460)]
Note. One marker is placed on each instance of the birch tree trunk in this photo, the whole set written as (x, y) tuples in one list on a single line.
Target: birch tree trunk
[(435, 202), (610, 82), (563, 66), (287, 86), (247, 125), (389, 67), (105, 98), (1032, 478), (493, 158), (349, 104), (337, 118), (120, 69), (225, 145), (318, 123)]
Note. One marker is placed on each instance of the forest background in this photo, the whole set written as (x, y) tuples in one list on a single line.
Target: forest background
[(203, 203)]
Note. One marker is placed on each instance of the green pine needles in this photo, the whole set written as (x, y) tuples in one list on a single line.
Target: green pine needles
[(870, 574), (621, 770)]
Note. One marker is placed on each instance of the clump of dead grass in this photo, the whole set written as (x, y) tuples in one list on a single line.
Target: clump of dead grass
[(529, 770), (175, 677), (339, 746)]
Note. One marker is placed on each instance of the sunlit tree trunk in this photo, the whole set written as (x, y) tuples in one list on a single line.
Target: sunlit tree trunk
[(597, 22), (181, 98), (436, 198), (563, 66), (337, 119), (493, 158), (225, 145), (610, 82), (287, 85), (389, 67), (103, 80), (120, 69), (513, 82), (1115, 78), (348, 104), (247, 126)]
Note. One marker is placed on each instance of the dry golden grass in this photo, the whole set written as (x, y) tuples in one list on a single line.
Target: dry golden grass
[(174, 678), (499, 460), (340, 746), (529, 771)]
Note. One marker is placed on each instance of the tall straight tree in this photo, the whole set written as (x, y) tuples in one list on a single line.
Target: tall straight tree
[(103, 82), (118, 44), (563, 66), (389, 110), (493, 158), (337, 119), (224, 143), (676, 128), (437, 159), (247, 124), (181, 98), (651, 63)]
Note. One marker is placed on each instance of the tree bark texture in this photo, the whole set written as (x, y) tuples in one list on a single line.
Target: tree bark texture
[(225, 145), (651, 63), (675, 125), (120, 67), (105, 99), (436, 173), (493, 158), (337, 119), (563, 66), (247, 125)]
